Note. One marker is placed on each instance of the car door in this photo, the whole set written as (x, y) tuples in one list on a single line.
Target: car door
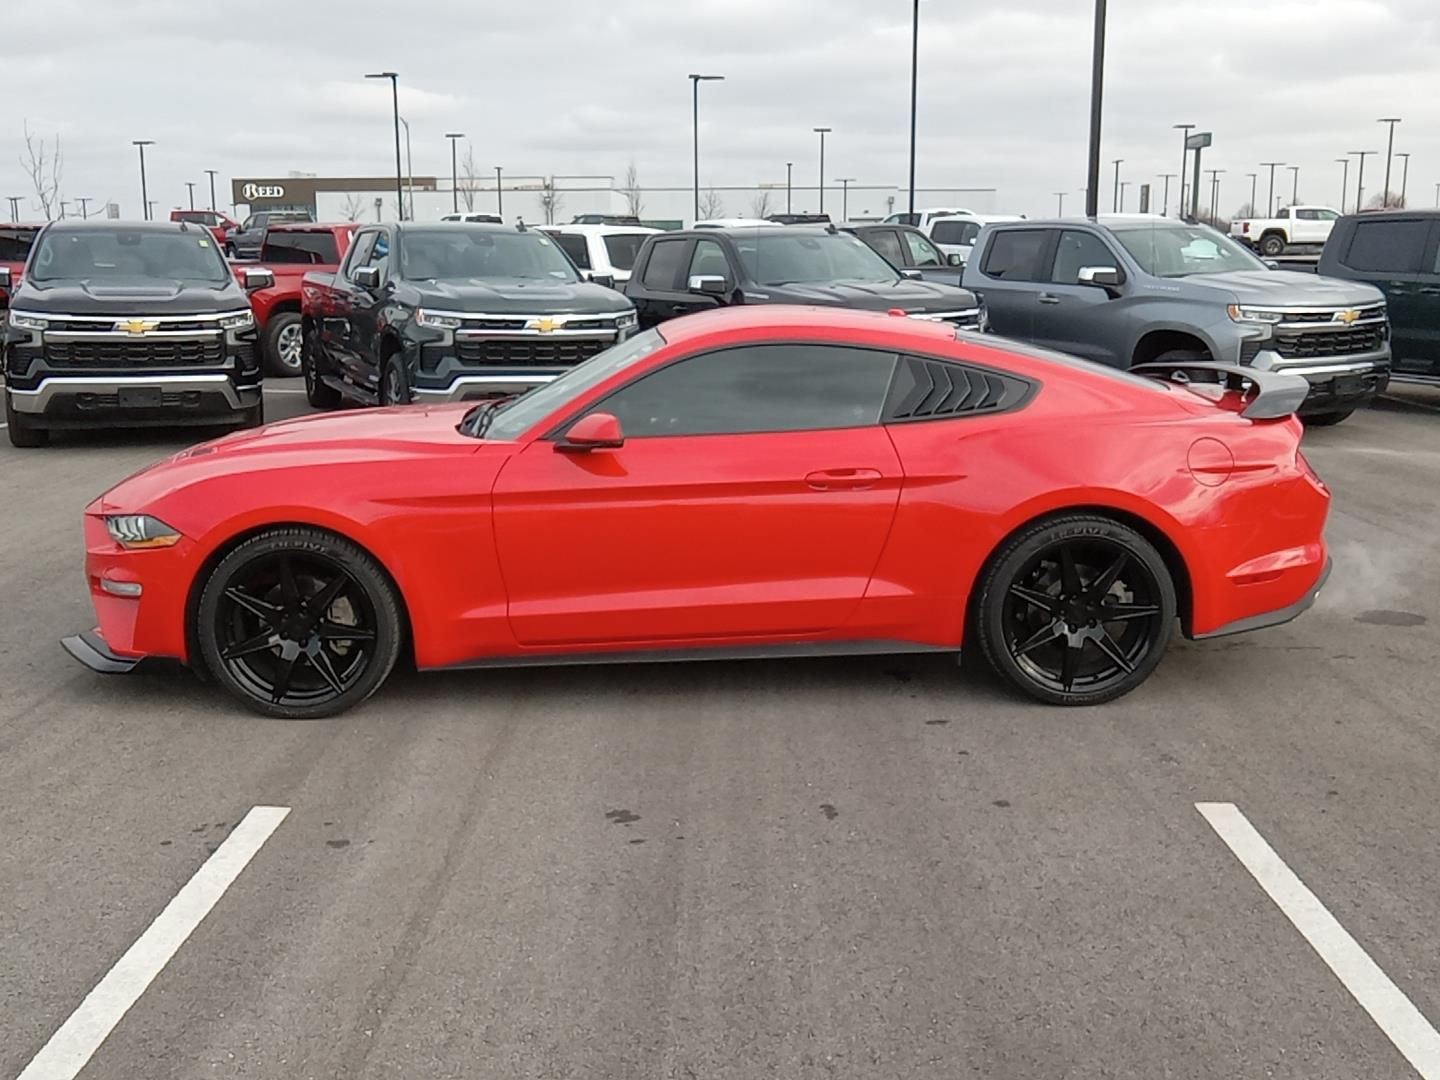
[(1422, 352), (1073, 318), (1389, 252), (362, 341), (337, 305), (1009, 278), (661, 294), (750, 499)]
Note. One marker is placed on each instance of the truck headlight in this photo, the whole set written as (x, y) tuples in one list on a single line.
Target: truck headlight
[(437, 321), (1255, 315), (138, 531), (628, 321), (237, 320), (21, 321)]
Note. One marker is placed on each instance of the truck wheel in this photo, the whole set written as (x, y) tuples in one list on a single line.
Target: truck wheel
[(23, 434), (317, 393), (284, 340), (230, 251), (1329, 419), (1272, 244), (394, 383)]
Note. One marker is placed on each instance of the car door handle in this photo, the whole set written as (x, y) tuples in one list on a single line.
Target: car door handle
[(842, 479), (1430, 291), (1048, 298)]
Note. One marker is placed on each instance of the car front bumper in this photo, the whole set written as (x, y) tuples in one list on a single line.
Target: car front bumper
[(1336, 383), (134, 400)]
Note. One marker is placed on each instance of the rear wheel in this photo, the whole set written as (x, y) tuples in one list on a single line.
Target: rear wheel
[(1077, 610), (1272, 244), (394, 383), (1329, 419), (298, 624), (284, 344), (23, 433), (319, 394)]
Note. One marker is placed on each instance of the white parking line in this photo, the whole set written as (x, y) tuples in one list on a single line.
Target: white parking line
[(88, 1026), (1387, 1005), (282, 390)]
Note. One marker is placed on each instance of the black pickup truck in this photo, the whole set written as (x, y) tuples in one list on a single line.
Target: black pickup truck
[(450, 312), (129, 324), (677, 273)]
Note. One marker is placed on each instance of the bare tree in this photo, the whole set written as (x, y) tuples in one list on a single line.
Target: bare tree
[(551, 199), (354, 207), (710, 204), (1396, 201), (45, 168), (1245, 211), (760, 205), (633, 200), (467, 169)]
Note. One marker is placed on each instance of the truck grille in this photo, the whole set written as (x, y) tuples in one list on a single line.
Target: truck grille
[(562, 352), (1330, 342), (1326, 317), (120, 353)]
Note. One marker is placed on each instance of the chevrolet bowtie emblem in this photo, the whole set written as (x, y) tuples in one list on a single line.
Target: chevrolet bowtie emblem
[(1347, 317), (136, 326), (545, 325)]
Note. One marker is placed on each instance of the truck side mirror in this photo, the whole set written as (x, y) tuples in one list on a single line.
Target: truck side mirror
[(955, 259), (912, 275), (368, 277), (4, 277), (708, 284), (604, 280), (1104, 277), (258, 279)]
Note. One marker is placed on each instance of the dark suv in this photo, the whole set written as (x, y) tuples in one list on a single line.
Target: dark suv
[(1397, 251), (245, 240), (677, 273)]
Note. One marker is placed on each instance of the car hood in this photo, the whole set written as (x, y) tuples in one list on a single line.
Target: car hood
[(1288, 288), (502, 297), (121, 296), (911, 296)]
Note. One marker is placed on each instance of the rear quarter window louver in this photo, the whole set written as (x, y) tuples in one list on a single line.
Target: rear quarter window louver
[(933, 389)]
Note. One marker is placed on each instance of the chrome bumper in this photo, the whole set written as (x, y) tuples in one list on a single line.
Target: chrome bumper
[(1319, 369), (475, 386), (63, 386)]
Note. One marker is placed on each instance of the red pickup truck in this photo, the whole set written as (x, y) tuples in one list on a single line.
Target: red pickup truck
[(290, 252), (213, 220), (15, 241)]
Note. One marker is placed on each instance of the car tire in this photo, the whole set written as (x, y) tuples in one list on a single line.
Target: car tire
[(299, 624), (24, 435), (317, 393), (1075, 610), (284, 345), (1271, 245), (394, 382), (1329, 419), (230, 251)]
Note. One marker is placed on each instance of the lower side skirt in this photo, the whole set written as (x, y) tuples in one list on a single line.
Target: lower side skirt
[(692, 653)]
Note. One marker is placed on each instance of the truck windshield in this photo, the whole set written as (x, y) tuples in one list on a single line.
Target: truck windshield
[(1173, 251), (455, 253), (316, 248), (807, 258), (100, 253)]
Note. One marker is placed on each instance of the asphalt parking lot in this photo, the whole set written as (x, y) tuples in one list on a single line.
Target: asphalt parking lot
[(874, 868)]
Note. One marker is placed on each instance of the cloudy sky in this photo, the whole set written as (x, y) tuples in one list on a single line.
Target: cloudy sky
[(586, 86)]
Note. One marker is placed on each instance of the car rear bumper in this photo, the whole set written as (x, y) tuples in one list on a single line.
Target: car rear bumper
[(134, 399), (1336, 383), (1275, 617)]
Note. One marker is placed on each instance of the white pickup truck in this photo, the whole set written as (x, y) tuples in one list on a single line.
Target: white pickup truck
[(1293, 226)]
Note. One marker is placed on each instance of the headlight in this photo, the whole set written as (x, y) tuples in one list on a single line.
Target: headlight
[(1257, 315), (437, 321), (238, 320), (135, 531), (28, 322), (628, 321)]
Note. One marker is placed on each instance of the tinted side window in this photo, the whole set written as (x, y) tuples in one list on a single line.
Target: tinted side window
[(757, 388), (887, 244), (664, 265), (359, 252), (1014, 255), (312, 248), (1307, 215), (1393, 247), (1079, 249), (574, 246), (922, 251), (709, 259), (954, 232)]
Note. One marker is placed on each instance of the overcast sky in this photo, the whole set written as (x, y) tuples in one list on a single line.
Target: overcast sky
[(586, 86)]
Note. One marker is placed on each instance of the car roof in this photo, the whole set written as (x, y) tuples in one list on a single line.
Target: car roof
[(1382, 215), (736, 223), (983, 219), (98, 224), (790, 318), (313, 226), (599, 230)]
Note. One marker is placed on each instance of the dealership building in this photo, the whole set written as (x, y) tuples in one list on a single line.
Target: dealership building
[(543, 199)]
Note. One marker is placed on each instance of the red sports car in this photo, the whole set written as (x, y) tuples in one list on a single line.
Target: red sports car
[(757, 481)]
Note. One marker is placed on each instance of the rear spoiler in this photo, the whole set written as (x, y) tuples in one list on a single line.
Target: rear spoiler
[(1276, 394)]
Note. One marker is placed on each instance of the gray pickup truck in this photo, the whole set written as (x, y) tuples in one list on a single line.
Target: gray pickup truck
[(1127, 290)]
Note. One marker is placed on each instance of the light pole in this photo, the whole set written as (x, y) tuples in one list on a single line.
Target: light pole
[(149, 209), (1253, 178), (144, 194), (1294, 183), (1344, 181), (409, 174), (695, 81), (1167, 177), (1214, 193), (211, 174), (1184, 130), (1272, 166), (14, 201), (454, 174), (1115, 205), (1060, 208), (84, 200), (1360, 178), (1404, 177), (395, 106), (822, 131), (499, 205), (789, 175), (914, 95), (1389, 154), (190, 184), (1097, 101), (845, 182), (1123, 185), (63, 203)]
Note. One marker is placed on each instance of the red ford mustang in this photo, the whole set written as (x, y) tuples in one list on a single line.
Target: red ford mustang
[(758, 481)]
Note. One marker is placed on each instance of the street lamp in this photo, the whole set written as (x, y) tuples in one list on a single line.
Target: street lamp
[(1437, 198), (1344, 181), (84, 200), (1360, 178), (409, 174), (1060, 206), (1272, 166), (1294, 183), (190, 184), (211, 174), (144, 194), (1167, 177), (454, 176), (1097, 98), (1115, 206), (1184, 130), (822, 131), (499, 205), (1404, 177), (395, 106), (1123, 185), (789, 175), (1214, 193), (695, 81), (1389, 154), (845, 182), (914, 95), (1253, 178)]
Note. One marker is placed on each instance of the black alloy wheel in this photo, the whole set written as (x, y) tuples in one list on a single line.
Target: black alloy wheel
[(299, 624), (394, 386), (1077, 611)]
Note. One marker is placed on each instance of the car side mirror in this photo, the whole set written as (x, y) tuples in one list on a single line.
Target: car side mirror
[(708, 284), (4, 277), (368, 277), (594, 431), (606, 281), (1104, 277), (1272, 264), (258, 279), (955, 259), (912, 275)]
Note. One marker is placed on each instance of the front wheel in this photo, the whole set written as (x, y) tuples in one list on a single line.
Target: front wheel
[(299, 624), (284, 343), (394, 383), (1077, 610), (320, 394)]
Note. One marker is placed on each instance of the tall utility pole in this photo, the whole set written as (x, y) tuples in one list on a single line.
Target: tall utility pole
[(1167, 177), (695, 81), (1404, 176), (1437, 197), (1115, 207), (409, 173), (190, 184), (14, 201), (1360, 178), (1344, 181), (822, 132), (1123, 185), (454, 173), (1060, 208), (914, 95), (211, 174), (1215, 193), (1294, 183), (1184, 130), (1389, 155), (144, 193), (1097, 103), (789, 175), (1272, 166), (84, 201), (845, 182), (499, 202), (395, 106), (1253, 178)]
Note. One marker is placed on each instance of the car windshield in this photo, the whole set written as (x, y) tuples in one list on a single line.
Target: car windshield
[(1173, 251), (806, 258), (455, 253), (98, 253), (622, 248), (516, 417)]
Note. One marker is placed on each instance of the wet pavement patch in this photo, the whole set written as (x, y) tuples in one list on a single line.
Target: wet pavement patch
[(1390, 618)]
